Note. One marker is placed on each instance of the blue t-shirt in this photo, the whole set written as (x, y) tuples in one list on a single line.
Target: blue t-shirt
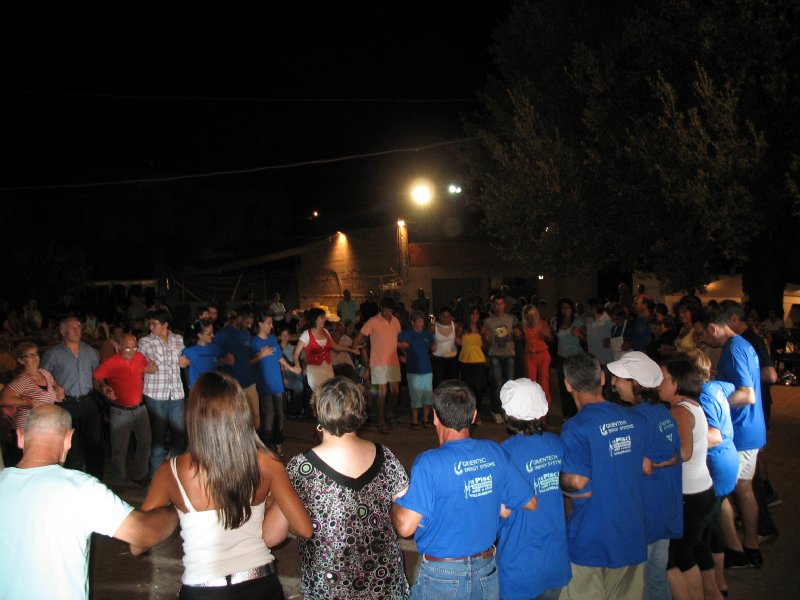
[(739, 365), (271, 380), (237, 342), (458, 489), (641, 335), (203, 359), (606, 443), (663, 498), (722, 460), (419, 350), (532, 553)]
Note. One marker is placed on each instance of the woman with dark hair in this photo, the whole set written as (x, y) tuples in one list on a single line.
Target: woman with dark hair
[(31, 387), (445, 357), (318, 344), (203, 354), (233, 497), (347, 484), (569, 333), (532, 555), (636, 378), (269, 358), (688, 316), (471, 359), (691, 565)]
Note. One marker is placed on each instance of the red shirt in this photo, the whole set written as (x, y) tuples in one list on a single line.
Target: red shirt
[(126, 377)]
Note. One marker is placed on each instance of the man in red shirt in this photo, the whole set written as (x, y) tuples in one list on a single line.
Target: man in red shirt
[(120, 378)]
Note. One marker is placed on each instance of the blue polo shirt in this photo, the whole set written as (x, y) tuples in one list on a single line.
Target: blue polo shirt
[(203, 359), (237, 342), (419, 352)]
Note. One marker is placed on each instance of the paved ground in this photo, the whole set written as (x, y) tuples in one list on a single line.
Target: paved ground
[(118, 575)]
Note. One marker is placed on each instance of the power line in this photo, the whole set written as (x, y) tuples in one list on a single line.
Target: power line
[(245, 98), (322, 161)]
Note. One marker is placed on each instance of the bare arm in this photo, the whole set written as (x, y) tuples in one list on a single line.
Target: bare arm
[(530, 505), (714, 437), (10, 398), (405, 520), (297, 350), (143, 530), (286, 498), (769, 375), (572, 484), (685, 421), (742, 396)]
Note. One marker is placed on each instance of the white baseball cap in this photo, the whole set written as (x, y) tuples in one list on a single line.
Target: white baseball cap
[(639, 367), (523, 399)]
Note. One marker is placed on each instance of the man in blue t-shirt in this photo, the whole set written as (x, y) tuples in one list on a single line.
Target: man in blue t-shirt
[(739, 365), (607, 449), (235, 339), (454, 502)]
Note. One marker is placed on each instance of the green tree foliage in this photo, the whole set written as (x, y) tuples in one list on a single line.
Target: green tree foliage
[(658, 136)]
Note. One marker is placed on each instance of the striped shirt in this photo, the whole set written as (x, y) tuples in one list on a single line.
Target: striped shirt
[(26, 388), (164, 384)]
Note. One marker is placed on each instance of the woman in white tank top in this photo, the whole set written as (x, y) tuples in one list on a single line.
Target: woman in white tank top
[(233, 497), (445, 358), (691, 566)]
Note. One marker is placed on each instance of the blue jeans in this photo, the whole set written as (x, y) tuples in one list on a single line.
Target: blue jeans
[(502, 371), (165, 415), (656, 586), (468, 579)]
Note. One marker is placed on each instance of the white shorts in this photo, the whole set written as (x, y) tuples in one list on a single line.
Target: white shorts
[(383, 374), (747, 464)]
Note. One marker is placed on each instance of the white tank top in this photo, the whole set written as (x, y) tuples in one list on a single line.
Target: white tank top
[(445, 338), (210, 551), (696, 477)]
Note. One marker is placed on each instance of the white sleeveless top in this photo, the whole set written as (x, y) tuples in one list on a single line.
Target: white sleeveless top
[(696, 477), (445, 338), (210, 551)]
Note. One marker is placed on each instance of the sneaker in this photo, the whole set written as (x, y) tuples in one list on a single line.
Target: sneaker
[(498, 418), (773, 500), (735, 559), (754, 558), (766, 539)]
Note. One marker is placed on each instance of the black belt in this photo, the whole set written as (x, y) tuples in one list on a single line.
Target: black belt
[(120, 407), (78, 398)]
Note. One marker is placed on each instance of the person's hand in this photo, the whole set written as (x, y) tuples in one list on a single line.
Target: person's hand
[(228, 359), (183, 362), (266, 351), (108, 392), (296, 370), (59, 393), (151, 364)]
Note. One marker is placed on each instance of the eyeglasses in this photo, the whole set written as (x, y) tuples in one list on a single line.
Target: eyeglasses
[(30, 355)]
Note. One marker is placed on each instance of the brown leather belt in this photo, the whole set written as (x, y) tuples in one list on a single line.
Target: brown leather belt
[(488, 553)]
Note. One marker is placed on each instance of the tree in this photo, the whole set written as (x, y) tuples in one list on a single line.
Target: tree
[(654, 136)]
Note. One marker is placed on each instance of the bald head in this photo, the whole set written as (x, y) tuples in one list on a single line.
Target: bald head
[(128, 346), (46, 437)]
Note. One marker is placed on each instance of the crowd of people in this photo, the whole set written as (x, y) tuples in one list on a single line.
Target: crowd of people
[(663, 420)]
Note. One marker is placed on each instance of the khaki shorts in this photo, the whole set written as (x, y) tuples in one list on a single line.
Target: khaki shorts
[(747, 464), (624, 583), (252, 398), (383, 374)]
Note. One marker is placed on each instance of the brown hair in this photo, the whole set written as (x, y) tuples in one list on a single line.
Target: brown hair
[(223, 445), (701, 361), (515, 426), (22, 348), (530, 315), (340, 406)]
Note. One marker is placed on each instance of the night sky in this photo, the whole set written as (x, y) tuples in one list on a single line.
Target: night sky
[(138, 94)]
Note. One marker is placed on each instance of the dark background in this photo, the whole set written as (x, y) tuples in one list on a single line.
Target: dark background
[(138, 93)]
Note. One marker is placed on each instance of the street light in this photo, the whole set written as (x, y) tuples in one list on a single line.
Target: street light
[(422, 192), (454, 189)]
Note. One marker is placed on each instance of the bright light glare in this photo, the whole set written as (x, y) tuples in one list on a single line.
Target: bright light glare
[(454, 189), (401, 223), (421, 192)]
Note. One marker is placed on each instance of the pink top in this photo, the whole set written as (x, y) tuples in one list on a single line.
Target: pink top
[(382, 340)]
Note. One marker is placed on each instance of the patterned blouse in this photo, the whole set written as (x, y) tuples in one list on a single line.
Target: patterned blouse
[(354, 551)]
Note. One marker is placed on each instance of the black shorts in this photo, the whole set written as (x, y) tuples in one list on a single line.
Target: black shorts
[(695, 546)]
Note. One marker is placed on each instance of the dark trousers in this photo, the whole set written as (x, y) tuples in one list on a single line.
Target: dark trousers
[(268, 588), (444, 369), (474, 375), (87, 452)]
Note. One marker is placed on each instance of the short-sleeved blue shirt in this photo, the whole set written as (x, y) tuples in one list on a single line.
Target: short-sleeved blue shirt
[(663, 498), (419, 350), (237, 342), (203, 359), (723, 460), (458, 489), (532, 553), (739, 365), (606, 443), (271, 380)]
